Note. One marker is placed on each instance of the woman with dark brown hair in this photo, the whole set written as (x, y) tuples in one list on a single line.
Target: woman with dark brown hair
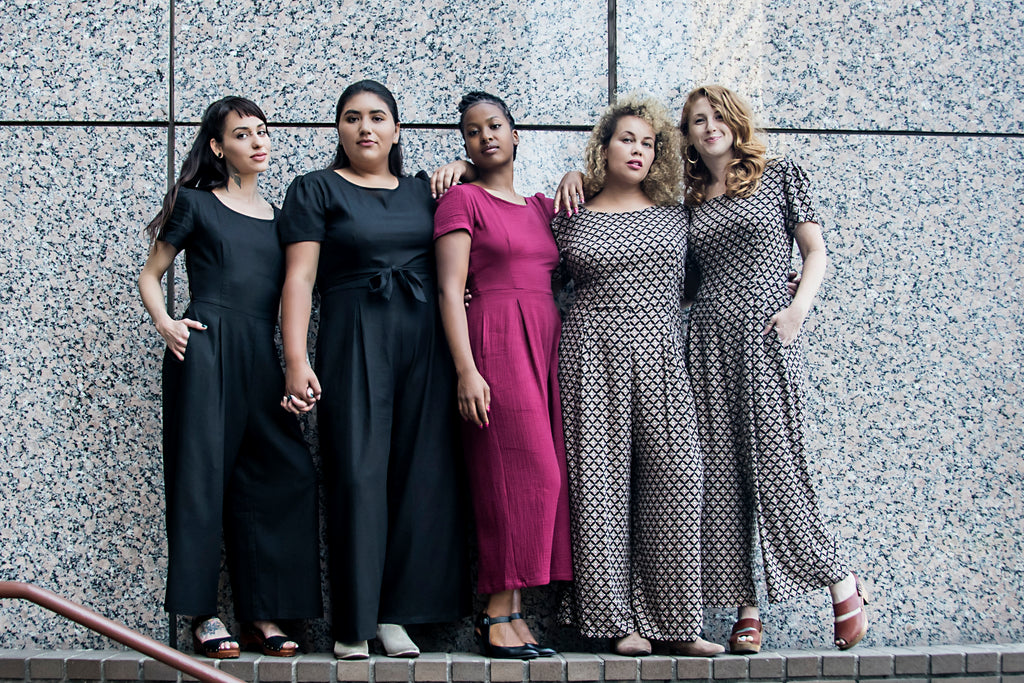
[(233, 462), (361, 233)]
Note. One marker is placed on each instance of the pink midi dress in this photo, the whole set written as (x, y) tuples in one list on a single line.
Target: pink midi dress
[(516, 464)]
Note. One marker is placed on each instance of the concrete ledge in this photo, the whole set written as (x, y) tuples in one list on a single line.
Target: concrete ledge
[(945, 664)]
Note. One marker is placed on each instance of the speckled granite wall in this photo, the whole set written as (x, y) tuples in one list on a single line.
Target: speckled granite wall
[(915, 345)]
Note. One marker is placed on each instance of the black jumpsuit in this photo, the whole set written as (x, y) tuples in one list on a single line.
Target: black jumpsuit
[(386, 417), (233, 459)]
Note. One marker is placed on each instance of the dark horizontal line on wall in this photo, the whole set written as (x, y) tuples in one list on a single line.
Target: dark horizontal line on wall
[(84, 124), (554, 128), (901, 133)]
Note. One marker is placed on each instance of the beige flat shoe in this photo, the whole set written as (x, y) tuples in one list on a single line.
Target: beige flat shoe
[(695, 648), (396, 641), (633, 645), (357, 650)]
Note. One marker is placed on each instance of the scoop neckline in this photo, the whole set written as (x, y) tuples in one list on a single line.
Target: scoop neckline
[(618, 213), (334, 172), (239, 213), (524, 205)]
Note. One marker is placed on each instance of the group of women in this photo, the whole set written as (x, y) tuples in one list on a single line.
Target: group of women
[(616, 450)]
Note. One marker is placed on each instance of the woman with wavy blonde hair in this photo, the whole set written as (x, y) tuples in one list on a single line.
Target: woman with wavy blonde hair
[(746, 369), (630, 432)]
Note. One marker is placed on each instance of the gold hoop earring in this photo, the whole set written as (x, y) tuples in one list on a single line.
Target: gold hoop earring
[(692, 161)]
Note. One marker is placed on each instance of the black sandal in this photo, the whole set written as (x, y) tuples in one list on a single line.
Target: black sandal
[(271, 646), (212, 647)]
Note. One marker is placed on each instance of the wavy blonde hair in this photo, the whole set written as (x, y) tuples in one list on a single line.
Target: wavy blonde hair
[(663, 184), (743, 175)]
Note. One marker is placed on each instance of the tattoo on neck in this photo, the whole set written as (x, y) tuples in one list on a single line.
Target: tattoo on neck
[(235, 175)]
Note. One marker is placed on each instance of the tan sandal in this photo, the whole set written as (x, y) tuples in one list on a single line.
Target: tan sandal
[(633, 645), (750, 628), (695, 648), (851, 630)]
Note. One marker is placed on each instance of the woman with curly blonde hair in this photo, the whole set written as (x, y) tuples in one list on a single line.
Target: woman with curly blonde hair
[(630, 433), (746, 368)]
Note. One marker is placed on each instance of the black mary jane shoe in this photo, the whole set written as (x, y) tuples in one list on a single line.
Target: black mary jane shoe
[(488, 649), (540, 649)]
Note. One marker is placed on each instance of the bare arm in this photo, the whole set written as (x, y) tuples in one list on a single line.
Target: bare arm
[(174, 332), (301, 383), (569, 195), (451, 174), (474, 393), (788, 321)]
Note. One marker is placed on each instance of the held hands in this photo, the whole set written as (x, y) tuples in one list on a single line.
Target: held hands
[(474, 399), (448, 175), (787, 324), (569, 195), (176, 333), (303, 389)]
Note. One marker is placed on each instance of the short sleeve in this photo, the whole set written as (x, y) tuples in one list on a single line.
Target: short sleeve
[(303, 215), (181, 224), (421, 181), (800, 206), (547, 205), (454, 212)]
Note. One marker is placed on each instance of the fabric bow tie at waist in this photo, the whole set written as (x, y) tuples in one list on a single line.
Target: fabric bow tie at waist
[(383, 283)]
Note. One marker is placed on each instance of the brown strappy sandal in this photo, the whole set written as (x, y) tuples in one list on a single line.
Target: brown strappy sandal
[(849, 632), (746, 628)]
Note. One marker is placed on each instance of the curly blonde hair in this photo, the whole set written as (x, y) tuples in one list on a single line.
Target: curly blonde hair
[(663, 184), (743, 176)]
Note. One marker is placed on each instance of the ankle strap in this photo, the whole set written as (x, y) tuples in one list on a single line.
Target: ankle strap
[(487, 620), (850, 605), (746, 624)]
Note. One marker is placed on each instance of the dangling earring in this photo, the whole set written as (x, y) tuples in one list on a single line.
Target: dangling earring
[(692, 161)]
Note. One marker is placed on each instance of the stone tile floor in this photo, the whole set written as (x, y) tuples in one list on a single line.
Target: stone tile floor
[(952, 664)]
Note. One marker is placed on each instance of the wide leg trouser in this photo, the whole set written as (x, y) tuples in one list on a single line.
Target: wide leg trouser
[(386, 422), (235, 463)]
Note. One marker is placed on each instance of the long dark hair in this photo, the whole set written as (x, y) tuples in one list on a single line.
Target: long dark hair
[(475, 97), (202, 169), (341, 159)]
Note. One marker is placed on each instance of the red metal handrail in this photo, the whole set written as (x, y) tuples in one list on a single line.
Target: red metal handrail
[(111, 629)]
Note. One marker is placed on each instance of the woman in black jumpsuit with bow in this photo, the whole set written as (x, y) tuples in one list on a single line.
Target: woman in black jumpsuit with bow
[(386, 414)]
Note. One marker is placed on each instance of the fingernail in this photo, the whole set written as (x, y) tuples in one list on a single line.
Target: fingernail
[(204, 327)]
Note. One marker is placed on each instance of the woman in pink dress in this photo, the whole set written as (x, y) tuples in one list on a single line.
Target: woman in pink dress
[(505, 347)]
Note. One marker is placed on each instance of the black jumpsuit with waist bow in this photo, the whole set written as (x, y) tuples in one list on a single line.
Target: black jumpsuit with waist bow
[(386, 417)]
